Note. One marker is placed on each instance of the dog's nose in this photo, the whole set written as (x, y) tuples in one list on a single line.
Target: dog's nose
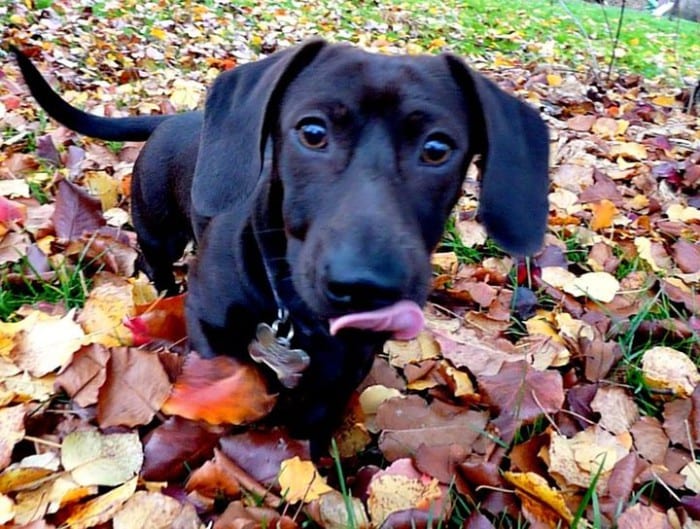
[(351, 289)]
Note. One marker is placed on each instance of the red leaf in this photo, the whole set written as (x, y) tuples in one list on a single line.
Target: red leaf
[(175, 447)]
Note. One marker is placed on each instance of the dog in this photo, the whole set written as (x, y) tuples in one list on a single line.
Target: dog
[(316, 184)]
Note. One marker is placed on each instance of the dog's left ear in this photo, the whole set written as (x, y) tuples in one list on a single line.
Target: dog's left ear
[(238, 114), (514, 144)]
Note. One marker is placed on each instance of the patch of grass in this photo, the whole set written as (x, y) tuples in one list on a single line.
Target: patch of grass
[(69, 286), (451, 241)]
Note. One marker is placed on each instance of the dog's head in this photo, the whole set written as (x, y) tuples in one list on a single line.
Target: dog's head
[(370, 152)]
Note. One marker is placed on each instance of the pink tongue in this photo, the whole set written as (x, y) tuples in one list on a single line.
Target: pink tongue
[(403, 319)]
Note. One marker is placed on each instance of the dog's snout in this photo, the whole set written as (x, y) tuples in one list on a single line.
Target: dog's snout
[(349, 288)]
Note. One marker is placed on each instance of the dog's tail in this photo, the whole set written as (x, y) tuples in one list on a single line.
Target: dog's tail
[(136, 128)]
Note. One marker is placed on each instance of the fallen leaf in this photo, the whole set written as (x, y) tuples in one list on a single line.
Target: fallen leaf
[(603, 214), (666, 368), (215, 478), (136, 386), (300, 481), (76, 212), (11, 431), (105, 310), (219, 390), (102, 508), (402, 352), (175, 447), (538, 490), (599, 286), (618, 411), (401, 487), (46, 343), (155, 511), (410, 422), (333, 510), (96, 459), (639, 515), (84, 376)]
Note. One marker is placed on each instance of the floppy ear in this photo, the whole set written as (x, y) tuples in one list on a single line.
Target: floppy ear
[(514, 144), (238, 114)]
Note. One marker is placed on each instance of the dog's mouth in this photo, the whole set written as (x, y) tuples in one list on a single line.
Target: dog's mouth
[(403, 319)]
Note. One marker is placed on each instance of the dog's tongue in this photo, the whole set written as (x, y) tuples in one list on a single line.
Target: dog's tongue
[(403, 319)]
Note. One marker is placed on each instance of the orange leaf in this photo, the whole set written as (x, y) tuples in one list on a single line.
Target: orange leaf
[(603, 214), (163, 319), (219, 390)]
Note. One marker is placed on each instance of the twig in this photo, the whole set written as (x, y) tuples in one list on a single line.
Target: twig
[(617, 39)]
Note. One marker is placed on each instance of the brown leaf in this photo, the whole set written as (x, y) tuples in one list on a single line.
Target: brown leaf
[(260, 453), (135, 388), (650, 440), (85, 374), (219, 390), (11, 431), (521, 394), (643, 516), (687, 256), (215, 478), (621, 484), (408, 423), (176, 446), (581, 122), (616, 407), (155, 511), (76, 211), (440, 461)]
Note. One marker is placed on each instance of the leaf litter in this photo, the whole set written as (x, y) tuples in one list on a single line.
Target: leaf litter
[(589, 388)]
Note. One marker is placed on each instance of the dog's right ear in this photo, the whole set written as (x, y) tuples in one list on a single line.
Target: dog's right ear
[(240, 111)]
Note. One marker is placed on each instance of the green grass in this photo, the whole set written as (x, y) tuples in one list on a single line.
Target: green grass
[(70, 287)]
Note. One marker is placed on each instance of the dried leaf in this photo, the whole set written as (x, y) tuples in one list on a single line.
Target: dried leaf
[(669, 369), (96, 459), (135, 388), (300, 481), (102, 508)]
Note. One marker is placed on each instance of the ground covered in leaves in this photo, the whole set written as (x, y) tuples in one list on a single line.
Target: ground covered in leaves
[(563, 393)]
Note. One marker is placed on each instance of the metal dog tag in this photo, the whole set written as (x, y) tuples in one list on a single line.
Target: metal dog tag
[(276, 353)]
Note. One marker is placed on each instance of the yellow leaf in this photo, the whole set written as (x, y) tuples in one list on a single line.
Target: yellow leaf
[(664, 100), (666, 368), (599, 286), (629, 151), (603, 214), (102, 508), (96, 459), (605, 127), (644, 249), (390, 493), (445, 262), (537, 488), (554, 79), (104, 313), (424, 347), (158, 33), (300, 481), (104, 187)]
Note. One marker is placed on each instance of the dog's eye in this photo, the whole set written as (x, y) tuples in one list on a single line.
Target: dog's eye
[(436, 150), (313, 133)]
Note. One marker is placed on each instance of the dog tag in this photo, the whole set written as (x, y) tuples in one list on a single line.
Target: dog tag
[(287, 363)]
